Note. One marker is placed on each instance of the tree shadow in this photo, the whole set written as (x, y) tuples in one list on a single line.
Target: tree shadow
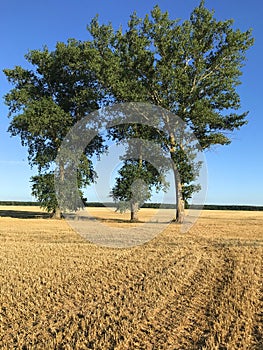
[(74, 217), (97, 218), (23, 214)]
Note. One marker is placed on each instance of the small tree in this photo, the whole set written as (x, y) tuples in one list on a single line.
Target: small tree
[(192, 69), (144, 165), (130, 190), (45, 103), (134, 185)]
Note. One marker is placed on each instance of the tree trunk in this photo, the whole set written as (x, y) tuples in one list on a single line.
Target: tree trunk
[(57, 213), (180, 203), (134, 204), (134, 211), (180, 213)]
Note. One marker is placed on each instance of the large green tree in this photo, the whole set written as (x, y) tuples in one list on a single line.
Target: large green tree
[(191, 68), (45, 102)]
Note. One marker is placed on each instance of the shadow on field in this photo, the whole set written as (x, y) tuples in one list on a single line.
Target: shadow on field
[(22, 214), (111, 220), (98, 218)]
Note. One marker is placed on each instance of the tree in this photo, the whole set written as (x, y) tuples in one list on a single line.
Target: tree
[(45, 103), (139, 173), (131, 190), (191, 68)]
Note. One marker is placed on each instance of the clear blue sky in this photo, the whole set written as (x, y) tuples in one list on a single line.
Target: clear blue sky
[(235, 172)]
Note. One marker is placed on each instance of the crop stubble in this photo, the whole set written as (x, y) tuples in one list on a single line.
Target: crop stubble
[(200, 290)]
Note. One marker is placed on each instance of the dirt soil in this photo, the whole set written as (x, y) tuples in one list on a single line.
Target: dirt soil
[(197, 290)]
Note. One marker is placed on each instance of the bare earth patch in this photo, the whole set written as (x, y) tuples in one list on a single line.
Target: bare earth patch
[(199, 290)]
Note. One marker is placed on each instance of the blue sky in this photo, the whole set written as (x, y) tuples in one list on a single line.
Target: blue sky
[(234, 172)]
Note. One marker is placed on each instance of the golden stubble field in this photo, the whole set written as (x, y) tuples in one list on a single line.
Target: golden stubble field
[(199, 290)]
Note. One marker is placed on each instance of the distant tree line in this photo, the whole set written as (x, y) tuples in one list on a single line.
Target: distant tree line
[(20, 203), (151, 205)]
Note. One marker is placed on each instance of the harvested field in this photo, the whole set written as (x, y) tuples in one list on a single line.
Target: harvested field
[(199, 290)]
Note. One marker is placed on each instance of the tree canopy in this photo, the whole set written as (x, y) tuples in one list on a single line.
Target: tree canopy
[(45, 103), (191, 68)]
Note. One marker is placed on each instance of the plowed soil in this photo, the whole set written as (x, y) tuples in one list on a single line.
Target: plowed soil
[(197, 290)]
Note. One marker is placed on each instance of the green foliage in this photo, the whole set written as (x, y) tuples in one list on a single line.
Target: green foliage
[(190, 68), (134, 183), (46, 102), (140, 172), (43, 190)]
